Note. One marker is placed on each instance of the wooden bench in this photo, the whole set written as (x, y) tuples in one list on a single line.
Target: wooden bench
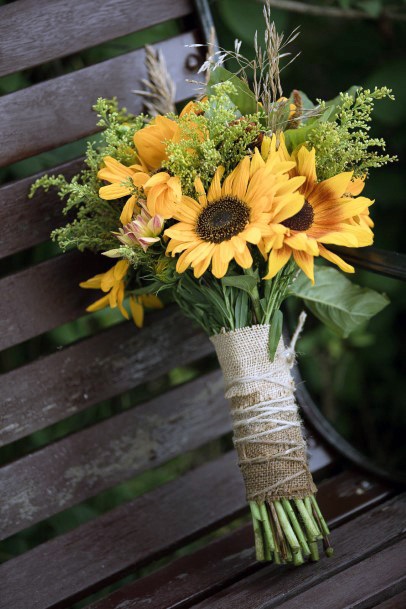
[(157, 541)]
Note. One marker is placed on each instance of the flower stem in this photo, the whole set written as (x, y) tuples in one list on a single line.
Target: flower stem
[(288, 530), (256, 524)]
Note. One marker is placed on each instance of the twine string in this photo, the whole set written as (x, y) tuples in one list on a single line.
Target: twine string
[(269, 421)]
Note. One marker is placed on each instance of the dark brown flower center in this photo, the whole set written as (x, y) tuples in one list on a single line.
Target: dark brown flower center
[(222, 219), (302, 220)]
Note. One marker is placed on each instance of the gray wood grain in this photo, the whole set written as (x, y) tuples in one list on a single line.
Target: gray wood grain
[(114, 361), (90, 461), (231, 559), (36, 31), (61, 109), (34, 218)]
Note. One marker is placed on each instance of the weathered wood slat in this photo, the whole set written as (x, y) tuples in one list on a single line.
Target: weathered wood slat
[(271, 586), (61, 109), (230, 559), (47, 295), (86, 463), (53, 28), (111, 362), (395, 602), (129, 535), (362, 585), (35, 219), (144, 529)]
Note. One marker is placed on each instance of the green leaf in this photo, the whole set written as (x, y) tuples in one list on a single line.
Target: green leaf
[(244, 98), (333, 105), (275, 332), (296, 137), (243, 282), (340, 304)]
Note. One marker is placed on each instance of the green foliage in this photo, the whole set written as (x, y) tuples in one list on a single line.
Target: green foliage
[(94, 218), (342, 142), (275, 333), (220, 136), (341, 305)]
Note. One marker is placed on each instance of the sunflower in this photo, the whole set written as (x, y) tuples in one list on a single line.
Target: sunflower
[(218, 226), (162, 190), (151, 141), (328, 216)]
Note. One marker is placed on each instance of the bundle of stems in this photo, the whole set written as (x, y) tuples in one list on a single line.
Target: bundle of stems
[(288, 530)]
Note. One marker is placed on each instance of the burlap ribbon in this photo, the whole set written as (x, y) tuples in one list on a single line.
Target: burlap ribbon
[(267, 432)]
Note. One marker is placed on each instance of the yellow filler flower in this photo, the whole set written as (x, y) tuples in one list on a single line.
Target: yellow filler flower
[(218, 226), (327, 217), (111, 282)]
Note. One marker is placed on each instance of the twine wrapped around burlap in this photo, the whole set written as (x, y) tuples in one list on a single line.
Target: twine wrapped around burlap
[(267, 433)]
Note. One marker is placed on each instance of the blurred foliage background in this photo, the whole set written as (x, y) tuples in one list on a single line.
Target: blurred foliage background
[(359, 383)]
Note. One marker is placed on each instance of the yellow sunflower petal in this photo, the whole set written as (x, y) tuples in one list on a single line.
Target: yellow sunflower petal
[(93, 282), (201, 194), (244, 258), (241, 178), (305, 262), (306, 166), (215, 186), (102, 303), (137, 312), (113, 191), (120, 269), (347, 268), (219, 264), (331, 189), (277, 260), (151, 301), (128, 211), (108, 280)]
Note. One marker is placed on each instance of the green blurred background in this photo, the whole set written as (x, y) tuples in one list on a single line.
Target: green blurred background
[(359, 383)]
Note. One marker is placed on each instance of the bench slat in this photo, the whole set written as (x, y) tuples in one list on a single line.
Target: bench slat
[(105, 365), (230, 559), (352, 541), (47, 295), (142, 530), (90, 461), (362, 585), (61, 109), (54, 28), (35, 219), (395, 602), (128, 536)]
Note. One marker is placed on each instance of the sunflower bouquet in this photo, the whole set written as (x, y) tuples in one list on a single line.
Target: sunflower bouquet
[(224, 208)]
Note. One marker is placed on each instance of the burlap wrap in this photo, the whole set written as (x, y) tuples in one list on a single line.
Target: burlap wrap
[(267, 434)]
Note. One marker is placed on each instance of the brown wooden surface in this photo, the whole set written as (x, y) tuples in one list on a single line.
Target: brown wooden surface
[(34, 218), (107, 364), (395, 602), (271, 586), (230, 559), (86, 463), (142, 530), (129, 535), (362, 585), (33, 32), (61, 109), (47, 295)]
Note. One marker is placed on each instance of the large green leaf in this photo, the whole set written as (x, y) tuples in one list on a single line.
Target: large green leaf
[(336, 301), (248, 283), (243, 98)]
